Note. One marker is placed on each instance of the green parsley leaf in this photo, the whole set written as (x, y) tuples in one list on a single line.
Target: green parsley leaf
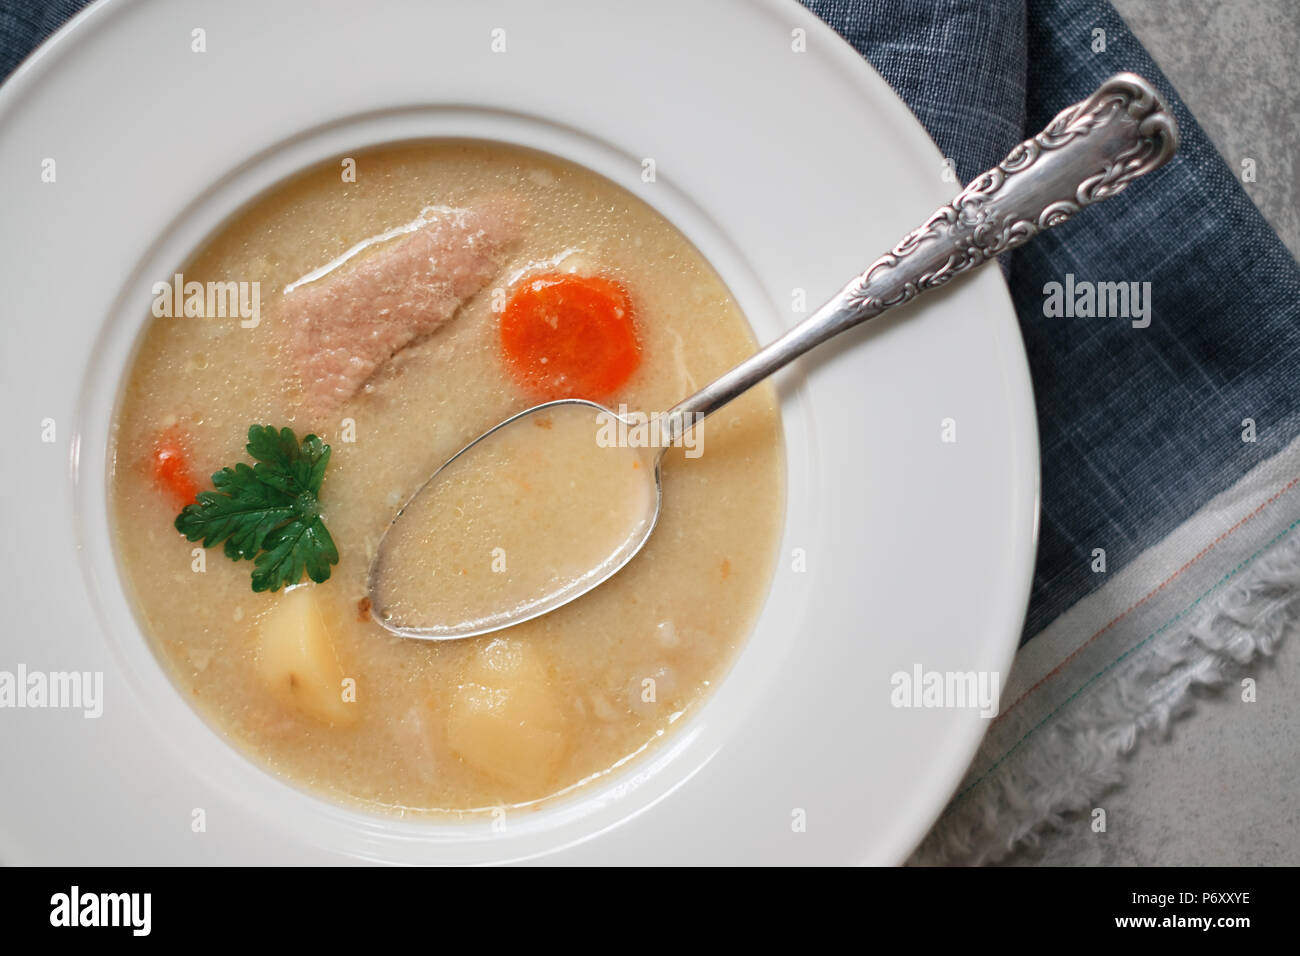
[(269, 512)]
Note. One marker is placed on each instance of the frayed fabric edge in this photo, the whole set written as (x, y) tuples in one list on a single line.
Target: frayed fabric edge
[(1077, 759)]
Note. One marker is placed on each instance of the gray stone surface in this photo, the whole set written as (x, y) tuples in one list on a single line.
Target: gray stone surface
[(1222, 787), (1234, 62)]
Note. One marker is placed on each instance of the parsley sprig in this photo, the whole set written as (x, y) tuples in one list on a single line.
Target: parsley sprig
[(269, 512)]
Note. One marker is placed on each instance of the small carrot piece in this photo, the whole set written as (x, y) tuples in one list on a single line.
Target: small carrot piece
[(171, 468), (570, 336)]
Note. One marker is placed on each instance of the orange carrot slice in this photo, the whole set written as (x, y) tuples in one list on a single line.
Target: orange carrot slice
[(570, 336), (171, 468)]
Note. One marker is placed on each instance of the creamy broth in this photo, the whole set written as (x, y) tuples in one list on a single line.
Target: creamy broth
[(501, 720), (531, 510)]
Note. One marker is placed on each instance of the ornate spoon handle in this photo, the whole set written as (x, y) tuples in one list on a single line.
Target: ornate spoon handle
[(1090, 152)]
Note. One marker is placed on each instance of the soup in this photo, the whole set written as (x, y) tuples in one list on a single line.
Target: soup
[(397, 315)]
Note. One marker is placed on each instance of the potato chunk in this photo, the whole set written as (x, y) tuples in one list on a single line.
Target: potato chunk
[(504, 719), (297, 661)]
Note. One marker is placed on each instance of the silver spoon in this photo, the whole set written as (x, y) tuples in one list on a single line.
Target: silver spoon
[(1089, 152)]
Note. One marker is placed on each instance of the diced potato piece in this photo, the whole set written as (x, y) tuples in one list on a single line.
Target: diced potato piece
[(297, 659), (505, 720)]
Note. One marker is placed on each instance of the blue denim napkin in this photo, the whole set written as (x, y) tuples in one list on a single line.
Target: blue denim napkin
[(25, 23), (1139, 426)]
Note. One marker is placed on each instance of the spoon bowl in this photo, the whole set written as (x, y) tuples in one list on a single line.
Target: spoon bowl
[(601, 562)]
